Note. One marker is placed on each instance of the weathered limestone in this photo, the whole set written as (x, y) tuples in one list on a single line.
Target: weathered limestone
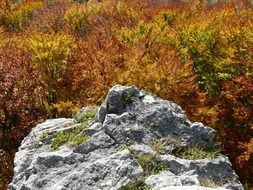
[(126, 127)]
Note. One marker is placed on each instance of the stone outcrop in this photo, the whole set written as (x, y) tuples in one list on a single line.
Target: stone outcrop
[(136, 141)]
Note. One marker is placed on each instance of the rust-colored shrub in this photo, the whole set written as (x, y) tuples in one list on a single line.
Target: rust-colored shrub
[(235, 124), (18, 109), (50, 19)]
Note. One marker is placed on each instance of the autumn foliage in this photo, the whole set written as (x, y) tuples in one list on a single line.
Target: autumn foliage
[(58, 55)]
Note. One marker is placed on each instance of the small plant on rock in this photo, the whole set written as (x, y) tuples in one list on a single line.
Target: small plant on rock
[(139, 185), (194, 153), (160, 144), (86, 116), (206, 182), (150, 164), (127, 98), (78, 135), (126, 145), (75, 137)]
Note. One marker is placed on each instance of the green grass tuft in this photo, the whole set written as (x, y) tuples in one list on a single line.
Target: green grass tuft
[(140, 185), (128, 98), (86, 116), (194, 153), (213, 183), (150, 164), (209, 183), (75, 137), (160, 144), (78, 135)]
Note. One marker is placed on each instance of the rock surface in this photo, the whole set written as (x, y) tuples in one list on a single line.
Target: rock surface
[(129, 126)]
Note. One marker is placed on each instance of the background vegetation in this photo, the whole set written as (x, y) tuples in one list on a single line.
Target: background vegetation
[(58, 55)]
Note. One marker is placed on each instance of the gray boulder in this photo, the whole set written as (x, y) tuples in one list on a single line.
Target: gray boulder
[(135, 141)]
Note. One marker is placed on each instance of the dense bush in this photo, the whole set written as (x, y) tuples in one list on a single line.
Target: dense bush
[(50, 54), (77, 17), (19, 99), (58, 55), (15, 16)]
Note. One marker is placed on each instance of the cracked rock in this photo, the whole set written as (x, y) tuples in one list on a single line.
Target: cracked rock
[(129, 125)]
